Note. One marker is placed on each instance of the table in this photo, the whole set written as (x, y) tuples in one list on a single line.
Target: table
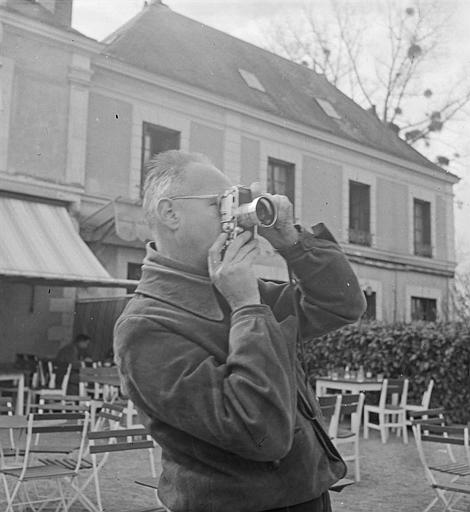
[(18, 376), (345, 385)]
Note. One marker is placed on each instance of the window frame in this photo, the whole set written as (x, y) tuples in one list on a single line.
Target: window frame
[(146, 125), (290, 169), (362, 235), (424, 247), (426, 301)]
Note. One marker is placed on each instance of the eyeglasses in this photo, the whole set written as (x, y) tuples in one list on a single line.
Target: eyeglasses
[(207, 196)]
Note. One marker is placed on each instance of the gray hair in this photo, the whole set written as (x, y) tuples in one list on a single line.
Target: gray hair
[(165, 174)]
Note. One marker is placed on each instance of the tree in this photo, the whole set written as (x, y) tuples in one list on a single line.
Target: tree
[(382, 54), (460, 297)]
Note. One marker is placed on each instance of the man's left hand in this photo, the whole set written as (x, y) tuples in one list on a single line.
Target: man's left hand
[(283, 234)]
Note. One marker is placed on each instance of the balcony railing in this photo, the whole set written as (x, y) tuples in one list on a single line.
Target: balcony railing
[(360, 237), (423, 250)]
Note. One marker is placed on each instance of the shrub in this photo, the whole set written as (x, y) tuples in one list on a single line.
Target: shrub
[(419, 351)]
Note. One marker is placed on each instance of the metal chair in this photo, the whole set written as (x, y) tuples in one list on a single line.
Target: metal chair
[(448, 479), (103, 443), (15, 479)]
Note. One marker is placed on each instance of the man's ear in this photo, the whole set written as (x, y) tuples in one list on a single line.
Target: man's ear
[(167, 213)]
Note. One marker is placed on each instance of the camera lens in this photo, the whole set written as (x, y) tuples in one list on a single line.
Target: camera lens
[(265, 211)]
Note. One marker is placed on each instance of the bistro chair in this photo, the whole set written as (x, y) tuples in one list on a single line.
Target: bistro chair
[(351, 404), (105, 443), (391, 413), (61, 479), (448, 479), (425, 401), (36, 395)]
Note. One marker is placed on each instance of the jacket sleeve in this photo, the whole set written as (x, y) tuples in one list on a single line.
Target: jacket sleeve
[(327, 290), (245, 405)]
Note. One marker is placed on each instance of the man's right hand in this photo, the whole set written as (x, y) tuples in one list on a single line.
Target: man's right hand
[(233, 275)]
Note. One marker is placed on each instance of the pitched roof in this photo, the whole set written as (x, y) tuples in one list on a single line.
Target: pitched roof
[(166, 43)]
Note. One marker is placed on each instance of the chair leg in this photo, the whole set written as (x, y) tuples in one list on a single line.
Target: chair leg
[(357, 472), (366, 424), (383, 428), (405, 431)]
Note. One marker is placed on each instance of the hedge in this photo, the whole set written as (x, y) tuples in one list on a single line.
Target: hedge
[(420, 351)]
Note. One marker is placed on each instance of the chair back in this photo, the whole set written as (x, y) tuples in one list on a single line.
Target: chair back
[(435, 416), (330, 407), (392, 389), (50, 426), (65, 381), (352, 404), (109, 416), (426, 400)]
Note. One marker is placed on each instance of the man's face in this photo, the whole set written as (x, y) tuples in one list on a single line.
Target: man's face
[(200, 219)]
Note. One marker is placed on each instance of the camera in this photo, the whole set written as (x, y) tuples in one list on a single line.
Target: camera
[(238, 210)]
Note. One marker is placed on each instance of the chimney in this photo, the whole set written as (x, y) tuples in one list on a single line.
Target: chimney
[(61, 9)]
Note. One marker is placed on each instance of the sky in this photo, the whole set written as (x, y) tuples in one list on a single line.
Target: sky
[(246, 19)]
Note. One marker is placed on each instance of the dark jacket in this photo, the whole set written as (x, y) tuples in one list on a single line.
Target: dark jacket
[(218, 389)]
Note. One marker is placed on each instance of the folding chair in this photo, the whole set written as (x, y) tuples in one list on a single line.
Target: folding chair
[(108, 417), (16, 479), (390, 414), (351, 404), (425, 401), (38, 395), (104, 442), (330, 406), (431, 434)]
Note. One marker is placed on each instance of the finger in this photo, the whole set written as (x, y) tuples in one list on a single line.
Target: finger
[(236, 244), (247, 249), (256, 189), (214, 255)]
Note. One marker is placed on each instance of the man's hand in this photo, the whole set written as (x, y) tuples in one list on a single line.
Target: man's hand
[(233, 275), (283, 234)]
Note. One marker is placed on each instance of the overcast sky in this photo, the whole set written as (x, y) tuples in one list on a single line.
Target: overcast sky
[(245, 19)]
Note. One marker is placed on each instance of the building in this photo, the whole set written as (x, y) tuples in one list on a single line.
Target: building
[(80, 118)]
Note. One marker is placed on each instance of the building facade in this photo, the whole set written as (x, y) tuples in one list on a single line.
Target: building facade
[(80, 118)]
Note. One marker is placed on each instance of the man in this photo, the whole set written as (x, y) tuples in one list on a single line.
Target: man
[(208, 353)]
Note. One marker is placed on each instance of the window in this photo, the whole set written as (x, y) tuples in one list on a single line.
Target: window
[(281, 178), (328, 108), (422, 228), (251, 80), (359, 213), (370, 313), (134, 271), (156, 139), (423, 309)]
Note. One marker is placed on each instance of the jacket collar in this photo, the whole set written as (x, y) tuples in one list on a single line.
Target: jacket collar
[(179, 285)]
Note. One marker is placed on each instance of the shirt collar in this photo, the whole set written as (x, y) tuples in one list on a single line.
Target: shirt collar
[(178, 284)]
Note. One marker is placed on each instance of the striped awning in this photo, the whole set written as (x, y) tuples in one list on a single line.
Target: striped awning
[(39, 242)]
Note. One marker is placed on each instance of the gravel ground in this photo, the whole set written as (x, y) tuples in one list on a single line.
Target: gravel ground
[(392, 481)]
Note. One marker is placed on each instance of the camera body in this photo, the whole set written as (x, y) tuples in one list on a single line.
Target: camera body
[(240, 212)]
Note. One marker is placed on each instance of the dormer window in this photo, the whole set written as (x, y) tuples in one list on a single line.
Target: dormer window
[(328, 108), (251, 80)]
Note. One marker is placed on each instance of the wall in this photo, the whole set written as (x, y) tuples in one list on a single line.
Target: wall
[(39, 106), (34, 319), (392, 230), (108, 146)]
